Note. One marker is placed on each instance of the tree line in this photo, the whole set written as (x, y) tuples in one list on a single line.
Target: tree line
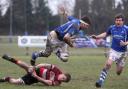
[(23, 22)]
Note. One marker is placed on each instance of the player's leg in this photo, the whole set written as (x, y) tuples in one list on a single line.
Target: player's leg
[(12, 80), (104, 73), (120, 64), (113, 56), (44, 53), (28, 79), (62, 53), (52, 43), (119, 69), (16, 61)]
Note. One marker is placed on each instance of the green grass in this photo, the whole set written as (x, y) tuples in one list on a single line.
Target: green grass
[(84, 65)]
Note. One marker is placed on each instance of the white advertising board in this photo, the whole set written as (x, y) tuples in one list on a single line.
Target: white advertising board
[(32, 41)]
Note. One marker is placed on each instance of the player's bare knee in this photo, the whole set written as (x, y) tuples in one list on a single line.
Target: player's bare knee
[(108, 65)]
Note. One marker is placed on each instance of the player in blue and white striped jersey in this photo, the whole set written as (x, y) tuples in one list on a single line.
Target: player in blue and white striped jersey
[(117, 53), (58, 39)]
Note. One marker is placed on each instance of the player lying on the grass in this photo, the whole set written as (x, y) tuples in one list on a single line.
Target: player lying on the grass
[(47, 74), (117, 53), (60, 37)]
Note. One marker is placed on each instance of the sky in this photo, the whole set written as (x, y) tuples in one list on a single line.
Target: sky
[(118, 1), (4, 5), (68, 4), (52, 4)]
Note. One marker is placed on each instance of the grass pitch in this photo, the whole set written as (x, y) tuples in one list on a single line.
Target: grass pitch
[(84, 65)]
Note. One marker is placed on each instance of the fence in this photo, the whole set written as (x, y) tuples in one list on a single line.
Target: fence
[(8, 39), (10, 46)]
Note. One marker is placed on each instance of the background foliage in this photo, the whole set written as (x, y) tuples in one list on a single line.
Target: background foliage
[(101, 12)]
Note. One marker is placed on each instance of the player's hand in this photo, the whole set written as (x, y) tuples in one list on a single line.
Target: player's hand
[(72, 40), (31, 69), (93, 36), (61, 10), (122, 43)]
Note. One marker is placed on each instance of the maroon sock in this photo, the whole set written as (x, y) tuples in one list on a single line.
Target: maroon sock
[(14, 60), (7, 78)]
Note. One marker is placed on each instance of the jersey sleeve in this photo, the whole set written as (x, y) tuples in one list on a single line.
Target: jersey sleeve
[(70, 18), (127, 34), (73, 30), (109, 31)]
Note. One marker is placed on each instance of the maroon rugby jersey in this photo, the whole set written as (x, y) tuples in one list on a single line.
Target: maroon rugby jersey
[(50, 74)]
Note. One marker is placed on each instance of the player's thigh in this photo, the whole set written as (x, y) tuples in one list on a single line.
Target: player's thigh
[(16, 81)]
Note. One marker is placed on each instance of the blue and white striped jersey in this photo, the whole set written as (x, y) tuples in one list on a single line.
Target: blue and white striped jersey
[(118, 34), (71, 27)]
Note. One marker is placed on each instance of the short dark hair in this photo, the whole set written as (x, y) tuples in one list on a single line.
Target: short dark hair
[(119, 15), (68, 77), (86, 19)]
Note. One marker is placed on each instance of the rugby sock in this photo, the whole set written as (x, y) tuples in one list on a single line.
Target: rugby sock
[(38, 54), (34, 56), (103, 75), (7, 79), (8, 58), (14, 60), (43, 54)]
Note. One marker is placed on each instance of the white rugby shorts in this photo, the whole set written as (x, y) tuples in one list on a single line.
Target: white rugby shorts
[(118, 57), (56, 44)]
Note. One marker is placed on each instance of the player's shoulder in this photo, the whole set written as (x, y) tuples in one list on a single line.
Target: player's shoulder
[(70, 18), (125, 26), (111, 27), (75, 22), (73, 19)]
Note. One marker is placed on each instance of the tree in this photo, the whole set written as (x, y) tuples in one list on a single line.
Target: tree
[(102, 11), (81, 8), (125, 11)]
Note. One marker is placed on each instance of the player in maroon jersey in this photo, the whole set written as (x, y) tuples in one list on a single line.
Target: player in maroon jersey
[(47, 74)]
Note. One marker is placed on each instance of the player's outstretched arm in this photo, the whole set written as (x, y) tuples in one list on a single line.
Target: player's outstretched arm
[(62, 11), (102, 35)]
